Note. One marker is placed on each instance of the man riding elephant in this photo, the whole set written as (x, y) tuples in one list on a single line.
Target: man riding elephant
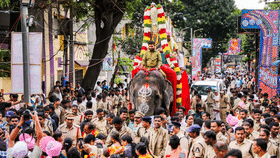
[(152, 58)]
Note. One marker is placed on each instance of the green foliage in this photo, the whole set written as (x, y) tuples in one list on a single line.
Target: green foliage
[(13, 5), (5, 65), (132, 45), (127, 63), (4, 3), (118, 80), (248, 44), (217, 18)]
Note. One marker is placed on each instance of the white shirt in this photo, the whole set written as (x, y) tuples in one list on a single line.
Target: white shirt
[(180, 59)]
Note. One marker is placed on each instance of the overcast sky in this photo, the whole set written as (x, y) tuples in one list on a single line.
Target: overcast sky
[(249, 4)]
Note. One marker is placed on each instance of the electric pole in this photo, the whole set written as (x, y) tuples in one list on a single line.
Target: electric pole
[(25, 51)]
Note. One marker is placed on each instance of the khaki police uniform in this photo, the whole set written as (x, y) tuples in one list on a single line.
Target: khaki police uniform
[(193, 102), (203, 106), (184, 128), (136, 127), (197, 148), (223, 138), (74, 132), (240, 122), (254, 135), (121, 100), (100, 125), (103, 105), (158, 141), (141, 132), (78, 118), (245, 147), (257, 126), (184, 143), (209, 152), (275, 140), (123, 131), (109, 127), (125, 102), (224, 102), (210, 103), (115, 104), (82, 108), (60, 111), (48, 126), (249, 107), (272, 149)]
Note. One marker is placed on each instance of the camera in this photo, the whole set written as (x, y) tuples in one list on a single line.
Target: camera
[(170, 128), (26, 114), (81, 144)]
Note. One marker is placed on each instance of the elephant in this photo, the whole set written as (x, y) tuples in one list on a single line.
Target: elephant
[(149, 90)]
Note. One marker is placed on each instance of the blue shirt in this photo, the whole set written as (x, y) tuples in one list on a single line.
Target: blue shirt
[(130, 124), (128, 151)]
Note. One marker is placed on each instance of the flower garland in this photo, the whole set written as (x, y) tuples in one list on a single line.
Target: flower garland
[(171, 59)]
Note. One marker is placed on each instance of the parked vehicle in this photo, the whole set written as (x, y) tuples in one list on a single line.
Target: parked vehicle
[(202, 87)]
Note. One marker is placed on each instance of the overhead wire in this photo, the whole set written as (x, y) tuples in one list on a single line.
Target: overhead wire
[(10, 31)]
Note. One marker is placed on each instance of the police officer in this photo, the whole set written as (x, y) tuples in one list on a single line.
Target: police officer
[(100, 123), (272, 149), (223, 106), (260, 148), (77, 116), (241, 143), (137, 121), (210, 140), (71, 130), (184, 141), (144, 130), (210, 101), (216, 126), (120, 128), (197, 145)]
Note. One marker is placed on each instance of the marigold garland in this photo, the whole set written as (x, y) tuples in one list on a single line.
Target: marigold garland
[(171, 59)]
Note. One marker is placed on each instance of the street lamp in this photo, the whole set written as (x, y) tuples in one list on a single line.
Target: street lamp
[(25, 51), (29, 3), (197, 30), (181, 34)]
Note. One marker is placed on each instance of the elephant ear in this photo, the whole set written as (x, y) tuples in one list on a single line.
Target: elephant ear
[(167, 94)]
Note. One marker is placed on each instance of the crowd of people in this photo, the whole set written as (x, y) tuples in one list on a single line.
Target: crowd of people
[(73, 122)]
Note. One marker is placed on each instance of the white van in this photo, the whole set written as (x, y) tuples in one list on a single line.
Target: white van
[(202, 87)]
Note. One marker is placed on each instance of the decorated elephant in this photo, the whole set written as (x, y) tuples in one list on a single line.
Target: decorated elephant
[(149, 90)]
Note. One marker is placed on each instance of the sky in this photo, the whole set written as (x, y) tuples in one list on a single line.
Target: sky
[(249, 4)]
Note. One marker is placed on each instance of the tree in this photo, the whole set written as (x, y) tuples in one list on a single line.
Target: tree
[(248, 47), (217, 19), (107, 15), (5, 65)]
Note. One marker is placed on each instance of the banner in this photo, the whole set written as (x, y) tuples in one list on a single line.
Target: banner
[(35, 50), (234, 47), (268, 22), (198, 44), (218, 61), (107, 64)]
